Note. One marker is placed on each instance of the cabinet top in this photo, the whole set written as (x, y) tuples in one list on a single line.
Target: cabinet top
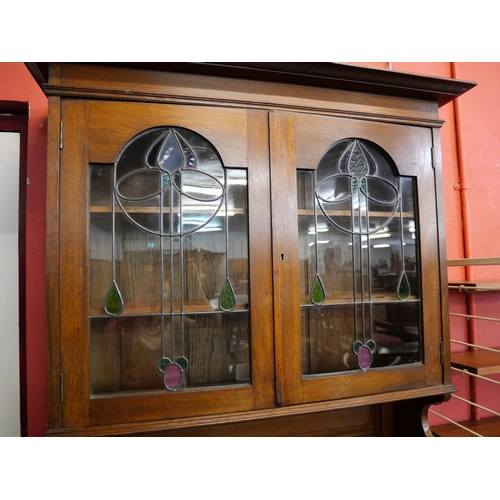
[(326, 75)]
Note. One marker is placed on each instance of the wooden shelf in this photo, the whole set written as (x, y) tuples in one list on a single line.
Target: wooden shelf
[(478, 362), (347, 299), (475, 286), (481, 261), (106, 209), (488, 427), (347, 213), (190, 307)]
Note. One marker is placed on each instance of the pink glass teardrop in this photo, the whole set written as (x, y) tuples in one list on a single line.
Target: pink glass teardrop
[(172, 377)]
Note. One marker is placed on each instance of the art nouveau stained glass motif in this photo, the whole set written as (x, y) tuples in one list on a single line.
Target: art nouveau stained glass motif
[(168, 266), (359, 261)]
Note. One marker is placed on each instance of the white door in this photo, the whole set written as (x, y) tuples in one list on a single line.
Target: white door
[(10, 415)]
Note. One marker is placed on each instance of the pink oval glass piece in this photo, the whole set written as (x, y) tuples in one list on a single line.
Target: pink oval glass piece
[(364, 358), (172, 377)]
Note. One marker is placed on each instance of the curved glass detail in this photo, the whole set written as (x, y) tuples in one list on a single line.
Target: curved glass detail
[(168, 266), (359, 264)]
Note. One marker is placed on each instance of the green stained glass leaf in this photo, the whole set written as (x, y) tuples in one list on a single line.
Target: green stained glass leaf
[(163, 364), (403, 288), (356, 347), (227, 299), (165, 180), (182, 362), (357, 165), (371, 345), (177, 180), (318, 295), (113, 303)]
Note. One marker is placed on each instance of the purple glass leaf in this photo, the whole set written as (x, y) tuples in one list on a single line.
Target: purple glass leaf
[(170, 156), (189, 155)]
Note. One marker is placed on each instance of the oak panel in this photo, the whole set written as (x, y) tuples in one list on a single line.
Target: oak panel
[(260, 265), (352, 384), (409, 147), (144, 407), (113, 124), (285, 258)]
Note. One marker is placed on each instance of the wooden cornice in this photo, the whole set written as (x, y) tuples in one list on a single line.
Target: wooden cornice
[(322, 74)]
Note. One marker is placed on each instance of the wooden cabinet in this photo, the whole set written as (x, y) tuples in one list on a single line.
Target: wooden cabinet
[(239, 249)]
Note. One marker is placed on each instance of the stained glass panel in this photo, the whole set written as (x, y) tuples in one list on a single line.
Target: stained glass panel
[(168, 267), (358, 246)]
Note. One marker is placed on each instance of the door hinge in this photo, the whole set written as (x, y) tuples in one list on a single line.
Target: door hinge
[(61, 387), (61, 126), (441, 350)]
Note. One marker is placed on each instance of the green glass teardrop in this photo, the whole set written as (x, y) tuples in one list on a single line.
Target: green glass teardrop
[(404, 288), (227, 299), (318, 295), (113, 303)]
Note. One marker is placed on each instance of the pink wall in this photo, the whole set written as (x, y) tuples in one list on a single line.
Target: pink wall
[(471, 140), (16, 84), (474, 120)]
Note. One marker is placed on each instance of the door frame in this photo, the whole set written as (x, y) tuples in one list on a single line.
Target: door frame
[(14, 118)]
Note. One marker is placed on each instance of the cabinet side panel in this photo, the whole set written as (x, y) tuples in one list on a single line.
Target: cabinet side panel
[(73, 279), (445, 318), (53, 261), (430, 258)]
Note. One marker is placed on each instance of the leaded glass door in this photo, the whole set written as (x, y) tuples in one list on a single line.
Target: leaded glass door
[(358, 317), (175, 324)]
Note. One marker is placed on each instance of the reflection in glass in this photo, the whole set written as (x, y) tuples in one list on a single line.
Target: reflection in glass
[(357, 247), (169, 262)]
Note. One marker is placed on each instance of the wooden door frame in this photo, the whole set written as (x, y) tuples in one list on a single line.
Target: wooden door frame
[(14, 118)]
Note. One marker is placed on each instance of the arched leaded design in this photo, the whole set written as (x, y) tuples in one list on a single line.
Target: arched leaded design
[(178, 225), (359, 261)]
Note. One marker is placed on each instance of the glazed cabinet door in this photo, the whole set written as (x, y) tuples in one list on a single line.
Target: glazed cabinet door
[(165, 284), (355, 237)]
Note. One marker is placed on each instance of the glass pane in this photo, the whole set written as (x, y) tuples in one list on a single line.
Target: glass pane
[(358, 247), (328, 336), (169, 277), (126, 352)]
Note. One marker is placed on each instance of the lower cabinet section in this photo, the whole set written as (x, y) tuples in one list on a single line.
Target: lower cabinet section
[(366, 421), (407, 418)]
